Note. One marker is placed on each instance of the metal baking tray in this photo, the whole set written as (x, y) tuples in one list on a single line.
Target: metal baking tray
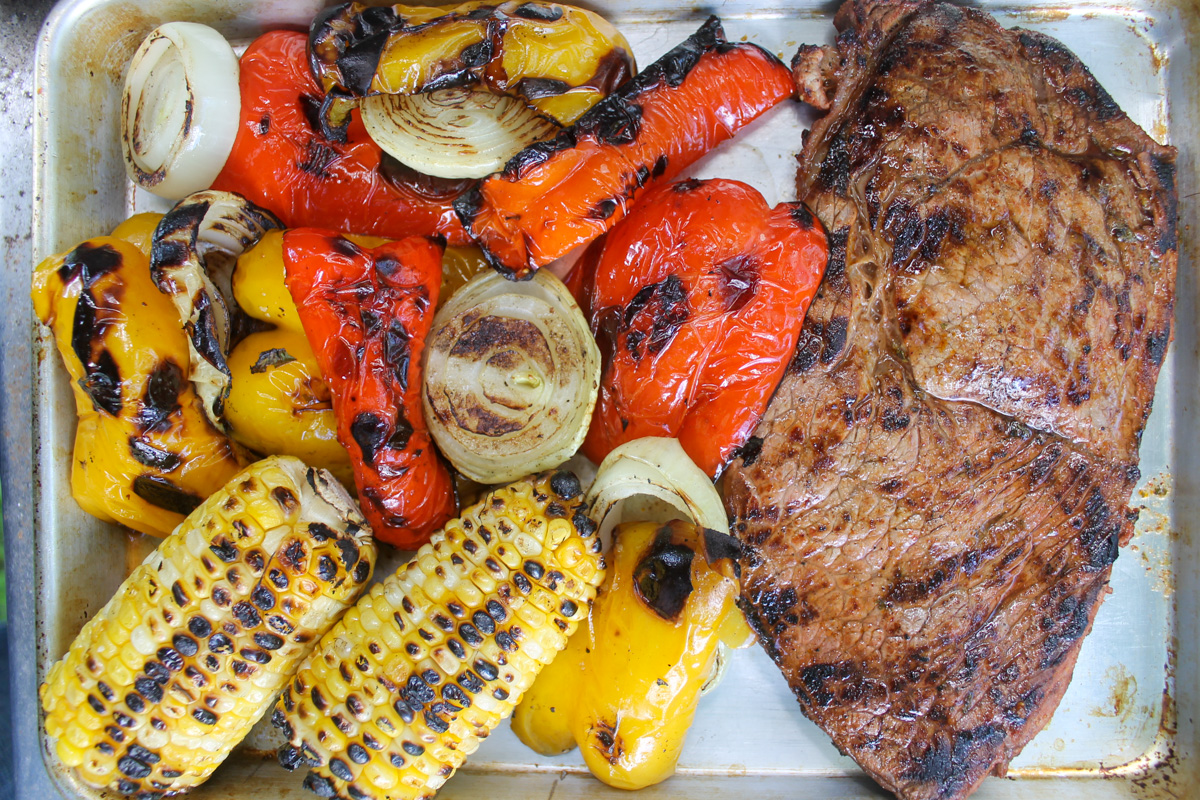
[(1125, 727)]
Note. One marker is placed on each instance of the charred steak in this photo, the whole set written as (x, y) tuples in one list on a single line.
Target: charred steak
[(933, 501)]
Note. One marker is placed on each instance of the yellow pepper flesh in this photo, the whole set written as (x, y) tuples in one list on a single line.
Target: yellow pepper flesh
[(278, 401), (145, 454), (559, 59), (626, 687)]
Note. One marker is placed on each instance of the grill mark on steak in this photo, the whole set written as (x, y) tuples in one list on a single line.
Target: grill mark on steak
[(942, 483)]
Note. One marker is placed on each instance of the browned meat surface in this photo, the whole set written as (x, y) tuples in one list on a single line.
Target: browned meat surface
[(944, 473)]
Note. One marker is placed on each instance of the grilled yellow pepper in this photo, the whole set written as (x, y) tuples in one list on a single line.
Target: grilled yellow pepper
[(625, 689), (559, 59), (278, 401), (145, 454)]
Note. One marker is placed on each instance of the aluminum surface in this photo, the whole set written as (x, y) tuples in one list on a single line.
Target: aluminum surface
[(1116, 733)]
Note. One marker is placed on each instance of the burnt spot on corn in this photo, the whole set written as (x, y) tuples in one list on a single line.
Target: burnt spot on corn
[(246, 615), (285, 498), (163, 493), (199, 626), (294, 556), (262, 597)]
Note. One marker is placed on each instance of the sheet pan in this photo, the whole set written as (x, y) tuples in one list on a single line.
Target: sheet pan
[(1125, 727)]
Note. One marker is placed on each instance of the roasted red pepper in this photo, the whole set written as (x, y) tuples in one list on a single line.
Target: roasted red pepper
[(282, 160), (556, 195), (366, 313), (697, 301)]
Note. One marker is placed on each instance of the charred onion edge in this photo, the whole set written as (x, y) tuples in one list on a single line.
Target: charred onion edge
[(179, 109), (201, 225)]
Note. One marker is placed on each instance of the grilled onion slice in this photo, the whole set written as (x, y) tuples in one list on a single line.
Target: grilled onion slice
[(653, 479), (180, 109), (462, 132), (511, 375), (192, 258)]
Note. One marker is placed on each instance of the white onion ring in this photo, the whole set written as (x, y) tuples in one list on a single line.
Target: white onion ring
[(652, 479), (511, 376), (180, 109), (453, 133)]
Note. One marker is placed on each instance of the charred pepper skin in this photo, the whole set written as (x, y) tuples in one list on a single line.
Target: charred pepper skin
[(558, 59), (367, 313), (697, 300), (282, 161), (278, 400), (554, 196), (145, 453)]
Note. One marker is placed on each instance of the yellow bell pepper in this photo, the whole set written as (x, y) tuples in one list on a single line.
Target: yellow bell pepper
[(559, 59), (278, 401), (626, 687), (145, 454)]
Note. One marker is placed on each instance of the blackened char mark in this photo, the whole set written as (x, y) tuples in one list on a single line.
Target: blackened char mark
[(160, 399), (150, 456), (662, 578), (174, 240), (159, 491), (88, 263), (397, 352), (1101, 532), (718, 546), (615, 121), (318, 157), (1165, 171), (540, 12), (617, 118), (1156, 344), (750, 451), (102, 380), (953, 758), (516, 168), (666, 302), (359, 49), (541, 88), (834, 175), (370, 431), (803, 218), (774, 608), (1064, 625)]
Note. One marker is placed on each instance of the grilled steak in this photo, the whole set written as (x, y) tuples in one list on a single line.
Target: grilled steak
[(933, 501)]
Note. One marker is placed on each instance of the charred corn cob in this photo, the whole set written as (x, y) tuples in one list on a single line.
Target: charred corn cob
[(411, 680), (176, 668)]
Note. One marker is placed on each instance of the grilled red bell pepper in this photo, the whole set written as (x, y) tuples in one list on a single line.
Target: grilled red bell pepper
[(366, 313), (697, 301), (283, 161), (556, 195)]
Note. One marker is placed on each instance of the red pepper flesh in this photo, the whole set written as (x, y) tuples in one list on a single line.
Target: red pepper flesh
[(697, 301), (282, 161), (555, 195), (367, 313)]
